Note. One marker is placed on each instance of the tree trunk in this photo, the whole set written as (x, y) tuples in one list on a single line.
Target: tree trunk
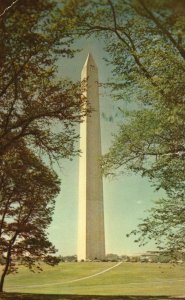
[(8, 260)]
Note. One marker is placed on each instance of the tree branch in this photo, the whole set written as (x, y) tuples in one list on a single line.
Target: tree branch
[(12, 80), (131, 47), (8, 8), (164, 31)]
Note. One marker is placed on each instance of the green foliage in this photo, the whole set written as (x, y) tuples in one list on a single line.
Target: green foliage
[(166, 225), (38, 116), (28, 190), (34, 105)]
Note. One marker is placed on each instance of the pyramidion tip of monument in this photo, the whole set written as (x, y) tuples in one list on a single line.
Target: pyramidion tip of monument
[(90, 60), (90, 56), (88, 66)]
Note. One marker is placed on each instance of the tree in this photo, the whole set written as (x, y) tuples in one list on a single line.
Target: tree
[(35, 106), (28, 190), (165, 224), (38, 115), (145, 46), (112, 257)]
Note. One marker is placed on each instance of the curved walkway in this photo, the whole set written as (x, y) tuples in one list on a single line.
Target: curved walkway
[(65, 282)]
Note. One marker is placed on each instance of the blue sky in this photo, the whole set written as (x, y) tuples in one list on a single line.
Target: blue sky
[(126, 198)]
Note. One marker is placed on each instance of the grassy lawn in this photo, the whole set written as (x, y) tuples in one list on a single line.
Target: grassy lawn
[(127, 279)]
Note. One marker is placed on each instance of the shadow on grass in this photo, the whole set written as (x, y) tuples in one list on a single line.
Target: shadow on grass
[(19, 296)]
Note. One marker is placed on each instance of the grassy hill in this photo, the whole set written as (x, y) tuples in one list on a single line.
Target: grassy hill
[(126, 279)]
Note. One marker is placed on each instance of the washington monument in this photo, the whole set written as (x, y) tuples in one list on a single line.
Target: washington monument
[(91, 236)]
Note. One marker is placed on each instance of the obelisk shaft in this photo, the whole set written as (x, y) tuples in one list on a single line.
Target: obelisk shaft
[(91, 237)]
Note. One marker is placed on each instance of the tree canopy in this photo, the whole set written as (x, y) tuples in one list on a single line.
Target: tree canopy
[(35, 105), (28, 190), (38, 116)]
